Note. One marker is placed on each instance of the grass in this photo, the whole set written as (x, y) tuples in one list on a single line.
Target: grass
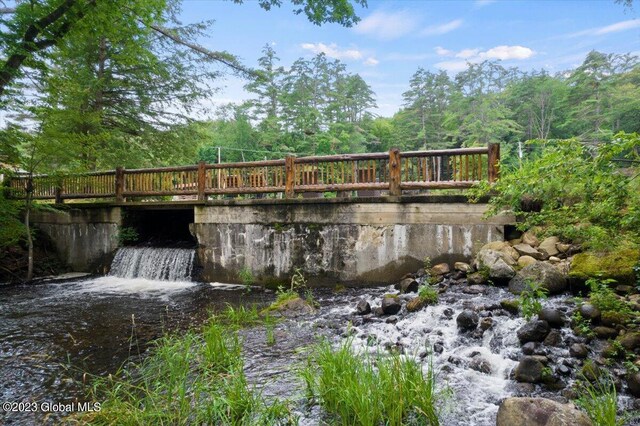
[(192, 378), (600, 401), (428, 294), (371, 390)]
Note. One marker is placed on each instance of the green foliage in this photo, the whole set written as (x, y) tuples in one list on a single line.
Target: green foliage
[(238, 317), (188, 379), (356, 389), (582, 325), (530, 299), (246, 276), (127, 235), (599, 399), (12, 229), (584, 196), (603, 297), (428, 294)]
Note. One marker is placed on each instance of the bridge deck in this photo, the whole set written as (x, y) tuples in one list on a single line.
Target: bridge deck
[(376, 175)]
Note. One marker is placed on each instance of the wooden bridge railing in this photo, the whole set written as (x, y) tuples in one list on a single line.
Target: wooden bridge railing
[(393, 172)]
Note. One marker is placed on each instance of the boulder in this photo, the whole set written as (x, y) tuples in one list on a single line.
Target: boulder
[(510, 305), (496, 263), (481, 365), (539, 412), (391, 305), (588, 311), (533, 331), (526, 261), (633, 382), (363, 307), (578, 350), (416, 304), (554, 338), (486, 323), (476, 278), (554, 260), (501, 271), (548, 276), (408, 285), (527, 250), (617, 265), (475, 289), (603, 332), (630, 341), (563, 248), (530, 239), (529, 370), (440, 269), (529, 348), (467, 320), (294, 307), (554, 317), (462, 267), (548, 246)]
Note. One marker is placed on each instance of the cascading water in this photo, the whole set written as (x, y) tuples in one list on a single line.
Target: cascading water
[(163, 264)]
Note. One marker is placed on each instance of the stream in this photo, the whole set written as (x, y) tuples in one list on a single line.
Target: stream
[(55, 335)]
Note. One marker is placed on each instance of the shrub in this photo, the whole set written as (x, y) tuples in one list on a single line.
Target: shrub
[(529, 300)]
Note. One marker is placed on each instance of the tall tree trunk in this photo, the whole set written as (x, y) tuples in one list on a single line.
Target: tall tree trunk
[(27, 226)]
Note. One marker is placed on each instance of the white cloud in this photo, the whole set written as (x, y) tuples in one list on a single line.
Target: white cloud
[(333, 51), (467, 53), (508, 52), (443, 52), (452, 66), (372, 62), (387, 25), (442, 28), (613, 28), (465, 56)]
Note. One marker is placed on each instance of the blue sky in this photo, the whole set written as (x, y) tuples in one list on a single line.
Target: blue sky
[(394, 38)]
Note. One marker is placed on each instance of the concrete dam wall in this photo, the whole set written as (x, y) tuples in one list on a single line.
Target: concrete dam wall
[(353, 241)]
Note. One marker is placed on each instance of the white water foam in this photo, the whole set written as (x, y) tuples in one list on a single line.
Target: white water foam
[(164, 264)]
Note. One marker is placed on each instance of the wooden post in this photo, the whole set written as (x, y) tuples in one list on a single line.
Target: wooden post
[(202, 180), (59, 199), (494, 159), (290, 176), (395, 174), (119, 184)]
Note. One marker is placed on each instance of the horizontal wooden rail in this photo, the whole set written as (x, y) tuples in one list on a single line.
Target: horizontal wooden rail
[(392, 172)]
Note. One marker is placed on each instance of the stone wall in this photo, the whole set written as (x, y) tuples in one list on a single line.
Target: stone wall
[(84, 238), (338, 240)]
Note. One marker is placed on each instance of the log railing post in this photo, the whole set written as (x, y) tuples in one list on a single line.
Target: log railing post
[(289, 176), (119, 184), (395, 174), (494, 160), (202, 179), (58, 192)]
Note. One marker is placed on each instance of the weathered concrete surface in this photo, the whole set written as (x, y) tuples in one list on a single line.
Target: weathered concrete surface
[(84, 238), (353, 242)]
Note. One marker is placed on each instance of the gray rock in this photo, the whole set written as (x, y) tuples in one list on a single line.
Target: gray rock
[(363, 307), (539, 412), (633, 382), (529, 370), (526, 261), (391, 305), (527, 250), (476, 278), (497, 264), (486, 323), (474, 289), (529, 348), (440, 269), (578, 350), (533, 331), (548, 246), (548, 276), (554, 338), (467, 320), (554, 317), (588, 311), (480, 364), (603, 332), (408, 285), (501, 271), (462, 267), (529, 238)]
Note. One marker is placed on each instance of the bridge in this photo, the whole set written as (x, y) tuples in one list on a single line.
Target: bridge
[(392, 173), (358, 218)]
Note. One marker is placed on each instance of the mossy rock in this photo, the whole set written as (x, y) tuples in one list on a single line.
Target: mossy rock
[(510, 305), (613, 318), (617, 265)]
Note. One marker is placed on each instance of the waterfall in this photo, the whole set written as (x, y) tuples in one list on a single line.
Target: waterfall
[(163, 264)]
